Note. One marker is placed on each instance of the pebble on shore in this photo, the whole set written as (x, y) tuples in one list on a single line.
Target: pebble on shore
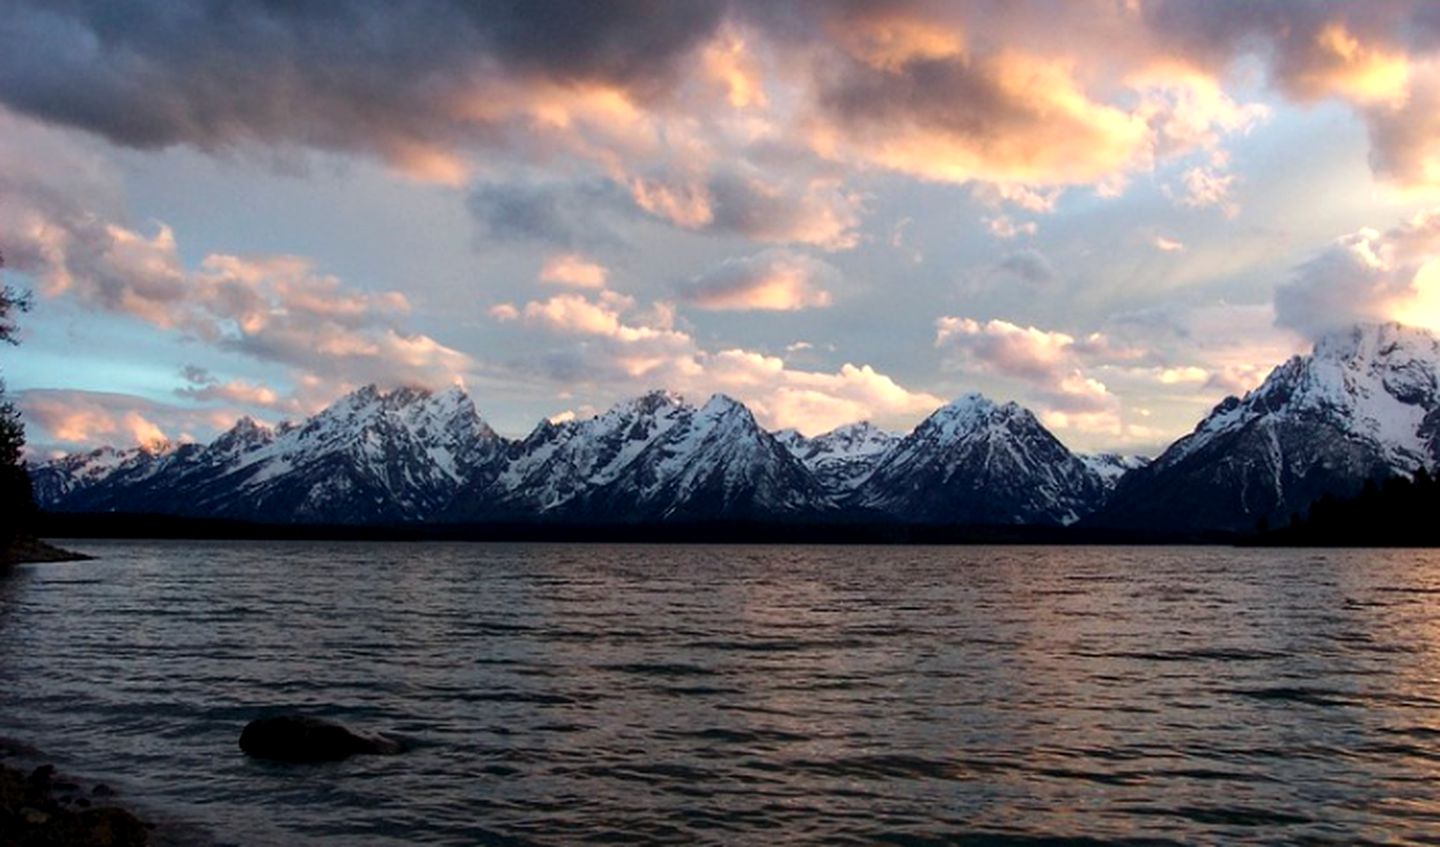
[(39, 809)]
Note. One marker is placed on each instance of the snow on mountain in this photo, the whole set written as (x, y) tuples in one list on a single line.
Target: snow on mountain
[(58, 479), (1364, 404), (411, 455), (974, 461), (1111, 466), (651, 458), (370, 457), (714, 462), (844, 457), (545, 473)]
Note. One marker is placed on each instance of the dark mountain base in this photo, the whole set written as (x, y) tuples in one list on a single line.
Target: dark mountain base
[(118, 525), (1399, 512)]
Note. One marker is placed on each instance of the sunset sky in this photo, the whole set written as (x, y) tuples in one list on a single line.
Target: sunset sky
[(1114, 212)]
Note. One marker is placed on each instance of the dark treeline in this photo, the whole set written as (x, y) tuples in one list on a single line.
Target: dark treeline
[(17, 507), (1397, 512)]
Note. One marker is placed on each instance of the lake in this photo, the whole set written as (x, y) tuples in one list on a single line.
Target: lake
[(559, 694)]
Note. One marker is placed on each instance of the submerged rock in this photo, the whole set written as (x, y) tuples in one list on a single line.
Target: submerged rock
[(301, 738)]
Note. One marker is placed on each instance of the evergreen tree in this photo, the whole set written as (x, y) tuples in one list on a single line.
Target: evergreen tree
[(17, 505)]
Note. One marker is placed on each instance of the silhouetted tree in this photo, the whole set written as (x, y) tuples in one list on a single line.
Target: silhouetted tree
[(1397, 512), (17, 504)]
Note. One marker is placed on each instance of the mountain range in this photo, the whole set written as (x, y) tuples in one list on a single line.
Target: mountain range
[(1364, 404)]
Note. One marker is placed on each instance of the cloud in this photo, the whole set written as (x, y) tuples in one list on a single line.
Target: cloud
[(573, 313), (278, 309), (568, 214), (1367, 276), (1004, 227), (202, 386), (616, 348), (1379, 58), (1051, 363), (817, 212), (1205, 187), (1166, 244), (66, 421), (1009, 349), (731, 65), (1039, 200), (1405, 138), (397, 81), (1085, 94), (504, 312), (1004, 118), (574, 270), (811, 401), (773, 280), (1029, 265)]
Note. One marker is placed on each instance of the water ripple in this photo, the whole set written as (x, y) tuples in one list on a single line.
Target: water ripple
[(557, 694)]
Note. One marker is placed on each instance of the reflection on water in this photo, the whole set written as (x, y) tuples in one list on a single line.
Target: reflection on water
[(565, 694)]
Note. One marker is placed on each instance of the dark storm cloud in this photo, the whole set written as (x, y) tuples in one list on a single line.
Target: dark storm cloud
[(336, 75), (931, 89)]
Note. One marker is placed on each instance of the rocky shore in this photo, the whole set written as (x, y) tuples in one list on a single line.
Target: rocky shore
[(41, 808), (35, 550)]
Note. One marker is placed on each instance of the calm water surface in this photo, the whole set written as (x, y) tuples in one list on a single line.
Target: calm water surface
[(741, 695)]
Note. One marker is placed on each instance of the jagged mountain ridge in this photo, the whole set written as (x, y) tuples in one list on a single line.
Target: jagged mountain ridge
[(409, 455), (371, 457), (1364, 404), (842, 459), (651, 458), (977, 462)]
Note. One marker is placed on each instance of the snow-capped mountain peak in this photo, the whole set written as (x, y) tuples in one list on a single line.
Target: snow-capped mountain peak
[(976, 461), (1377, 383), (720, 405), (652, 402), (410, 454), (1365, 403), (371, 456)]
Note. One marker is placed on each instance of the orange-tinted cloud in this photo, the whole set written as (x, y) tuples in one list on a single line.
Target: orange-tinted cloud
[(75, 420), (1081, 93), (773, 280)]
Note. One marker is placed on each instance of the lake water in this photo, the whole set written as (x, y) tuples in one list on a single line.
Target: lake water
[(561, 694)]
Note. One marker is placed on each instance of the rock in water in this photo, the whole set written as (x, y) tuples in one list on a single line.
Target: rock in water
[(300, 738)]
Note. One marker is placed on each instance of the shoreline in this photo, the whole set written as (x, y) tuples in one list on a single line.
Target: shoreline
[(33, 550), (40, 805)]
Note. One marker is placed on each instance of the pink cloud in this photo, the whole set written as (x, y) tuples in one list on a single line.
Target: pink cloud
[(773, 280), (575, 270)]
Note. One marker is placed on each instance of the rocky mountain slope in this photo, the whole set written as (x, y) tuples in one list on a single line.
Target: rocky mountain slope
[(843, 458), (1365, 404), (978, 462), (652, 458), (372, 457), (409, 455)]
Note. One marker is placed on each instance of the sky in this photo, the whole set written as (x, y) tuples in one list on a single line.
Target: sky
[(1114, 212)]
